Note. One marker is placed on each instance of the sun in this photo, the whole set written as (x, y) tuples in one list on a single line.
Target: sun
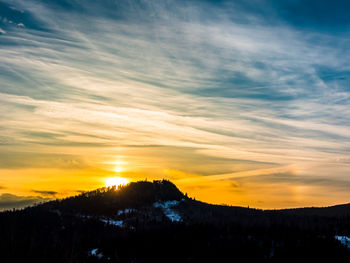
[(116, 181)]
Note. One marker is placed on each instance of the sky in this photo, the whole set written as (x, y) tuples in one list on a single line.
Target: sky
[(237, 102)]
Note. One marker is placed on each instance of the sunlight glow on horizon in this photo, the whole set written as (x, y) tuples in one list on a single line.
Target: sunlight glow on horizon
[(116, 181), (119, 166), (118, 169)]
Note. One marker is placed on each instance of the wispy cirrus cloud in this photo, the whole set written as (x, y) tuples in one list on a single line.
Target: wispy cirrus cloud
[(218, 82)]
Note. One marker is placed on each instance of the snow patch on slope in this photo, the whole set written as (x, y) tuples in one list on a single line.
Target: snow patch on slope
[(94, 252), (168, 211), (118, 223), (125, 211), (344, 240)]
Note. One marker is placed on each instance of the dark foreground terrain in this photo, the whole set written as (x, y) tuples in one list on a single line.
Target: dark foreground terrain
[(155, 222)]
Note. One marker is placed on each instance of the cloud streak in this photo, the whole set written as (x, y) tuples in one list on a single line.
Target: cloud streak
[(9, 201), (222, 82), (45, 193)]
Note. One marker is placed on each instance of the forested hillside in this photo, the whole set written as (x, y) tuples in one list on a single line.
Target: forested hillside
[(155, 222)]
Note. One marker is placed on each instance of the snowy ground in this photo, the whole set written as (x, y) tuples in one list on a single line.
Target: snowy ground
[(125, 211), (168, 211), (344, 240), (94, 252), (113, 222)]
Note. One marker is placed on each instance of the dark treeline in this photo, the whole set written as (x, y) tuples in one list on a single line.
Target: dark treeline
[(68, 230)]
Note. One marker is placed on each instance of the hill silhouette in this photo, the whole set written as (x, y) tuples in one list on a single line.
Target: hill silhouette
[(108, 200), (156, 222)]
